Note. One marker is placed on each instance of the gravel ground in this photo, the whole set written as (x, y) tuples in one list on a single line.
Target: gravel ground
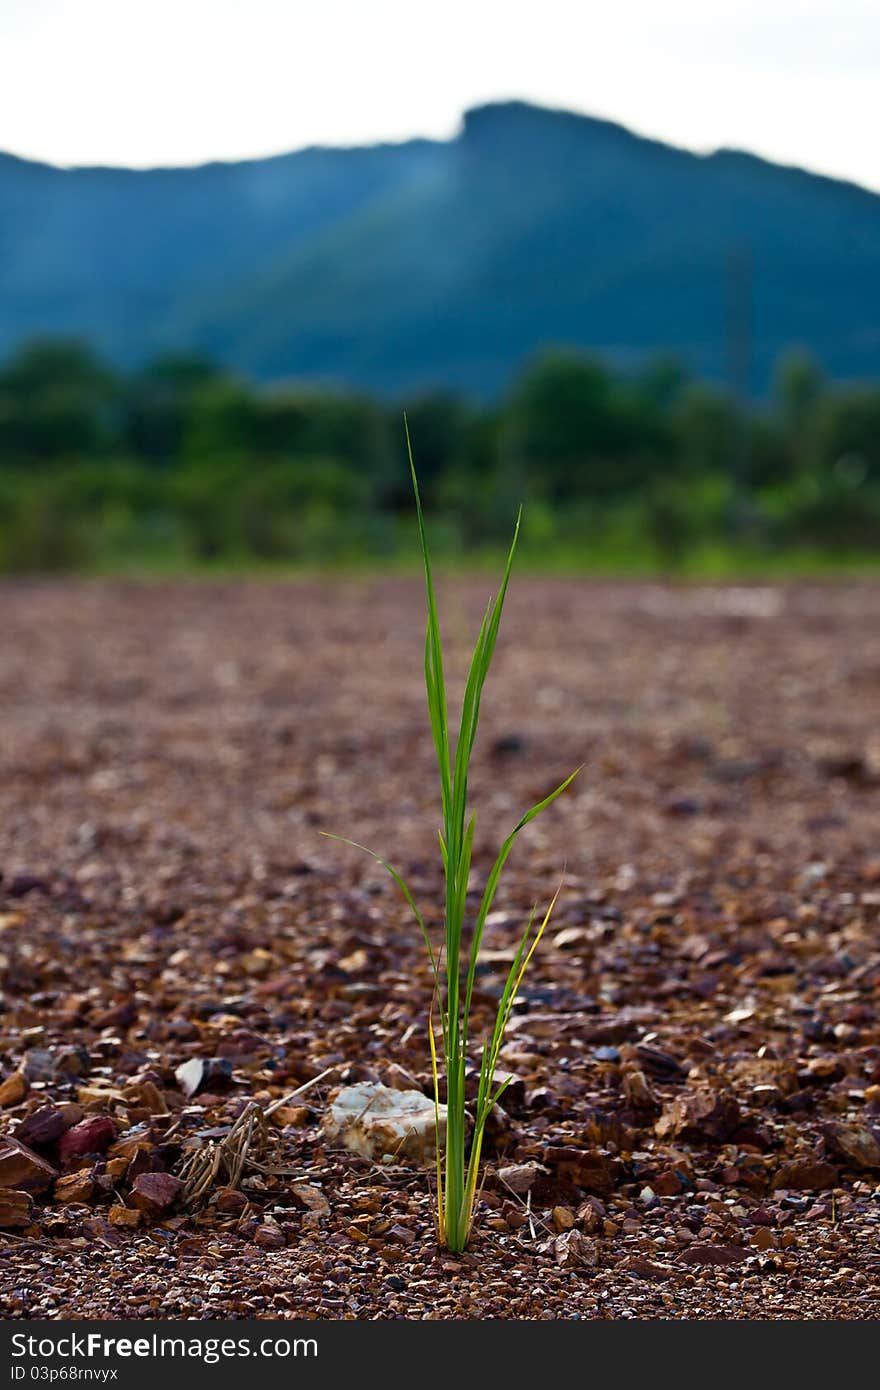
[(694, 1129)]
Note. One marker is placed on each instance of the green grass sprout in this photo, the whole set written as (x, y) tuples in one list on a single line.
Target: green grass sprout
[(454, 966)]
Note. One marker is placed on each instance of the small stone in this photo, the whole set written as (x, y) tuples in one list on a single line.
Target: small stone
[(311, 1197), (805, 1175), (96, 1228), (132, 1143), (121, 1015), (520, 1177), (638, 1092), (570, 938), (269, 1236), (201, 1072), (91, 1136), (231, 1202), (155, 1193), (21, 884), (75, 1187), (38, 1064), (13, 1089), (47, 1124), (189, 1075), (98, 1096), (72, 1061), (16, 1208), (124, 1216), (146, 1096), (669, 1183), (656, 1061), (23, 1169), (497, 1223), (563, 1218), (582, 1169), (701, 1114), (296, 1116), (855, 1144), (590, 1215), (714, 1255), (573, 1250), (375, 1120), (764, 1239), (400, 1235)]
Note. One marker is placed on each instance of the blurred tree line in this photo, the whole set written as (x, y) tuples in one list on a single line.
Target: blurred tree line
[(181, 463)]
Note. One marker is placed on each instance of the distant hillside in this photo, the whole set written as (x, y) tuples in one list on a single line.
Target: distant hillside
[(398, 266)]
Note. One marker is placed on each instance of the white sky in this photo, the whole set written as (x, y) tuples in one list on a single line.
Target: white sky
[(179, 81)]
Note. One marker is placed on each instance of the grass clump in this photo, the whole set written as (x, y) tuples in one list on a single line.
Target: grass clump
[(455, 964)]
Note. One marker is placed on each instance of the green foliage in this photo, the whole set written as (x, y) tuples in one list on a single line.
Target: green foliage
[(798, 386), (56, 399), (454, 965), (180, 464), (848, 429), (161, 402), (705, 430), (575, 430)]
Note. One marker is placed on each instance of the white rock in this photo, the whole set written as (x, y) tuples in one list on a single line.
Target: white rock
[(375, 1120), (189, 1075)]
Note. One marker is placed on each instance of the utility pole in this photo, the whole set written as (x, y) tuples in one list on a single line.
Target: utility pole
[(739, 336)]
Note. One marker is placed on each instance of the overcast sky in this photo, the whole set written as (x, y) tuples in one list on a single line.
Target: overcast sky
[(180, 81)]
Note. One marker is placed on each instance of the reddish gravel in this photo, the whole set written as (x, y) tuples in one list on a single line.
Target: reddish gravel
[(697, 1048)]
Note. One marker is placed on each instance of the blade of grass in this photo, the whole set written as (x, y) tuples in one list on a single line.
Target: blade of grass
[(495, 875), (434, 679), (486, 1099), (441, 1223), (514, 980)]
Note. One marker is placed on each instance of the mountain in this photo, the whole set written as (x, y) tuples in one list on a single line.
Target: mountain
[(445, 263)]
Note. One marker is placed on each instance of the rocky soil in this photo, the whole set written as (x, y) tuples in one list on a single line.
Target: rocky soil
[(694, 1126)]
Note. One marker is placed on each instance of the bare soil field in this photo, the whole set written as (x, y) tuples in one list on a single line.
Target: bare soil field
[(694, 1129)]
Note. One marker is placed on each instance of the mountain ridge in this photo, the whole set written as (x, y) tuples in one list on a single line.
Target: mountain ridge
[(405, 265), (501, 105)]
